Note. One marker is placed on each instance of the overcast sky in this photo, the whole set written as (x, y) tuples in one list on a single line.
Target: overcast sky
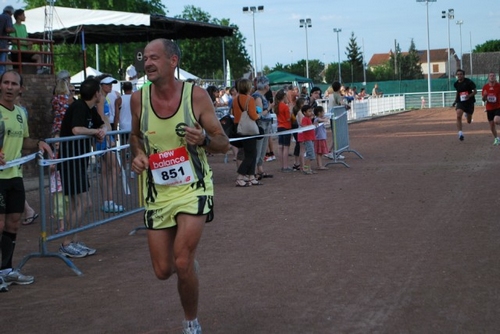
[(376, 24)]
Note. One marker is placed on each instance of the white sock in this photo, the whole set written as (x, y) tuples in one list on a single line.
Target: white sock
[(191, 323), (5, 272), (460, 133)]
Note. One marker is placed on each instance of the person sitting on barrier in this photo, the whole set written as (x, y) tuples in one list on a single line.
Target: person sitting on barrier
[(81, 118), (376, 92), (173, 123), (14, 137), (362, 94), (106, 108), (21, 32)]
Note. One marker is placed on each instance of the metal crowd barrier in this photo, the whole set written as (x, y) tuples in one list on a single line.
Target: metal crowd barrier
[(109, 174), (340, 134)]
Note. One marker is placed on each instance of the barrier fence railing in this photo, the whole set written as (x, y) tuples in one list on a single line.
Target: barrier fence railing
[(340, 134), (109, 176), (42, 47)]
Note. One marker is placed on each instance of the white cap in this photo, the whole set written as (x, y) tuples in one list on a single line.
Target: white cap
[(108, 80)]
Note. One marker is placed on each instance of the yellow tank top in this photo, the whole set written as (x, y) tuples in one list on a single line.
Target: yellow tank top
[(166, 134), (13, 130)]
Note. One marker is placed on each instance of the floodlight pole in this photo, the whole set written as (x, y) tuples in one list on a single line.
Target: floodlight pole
[(450, 16), (253, 10), (428, 53), (470, 41), (338, 30), (307, 23), (459, 23)]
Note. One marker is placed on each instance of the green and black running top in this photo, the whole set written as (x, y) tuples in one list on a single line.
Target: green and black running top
[(176, 169)]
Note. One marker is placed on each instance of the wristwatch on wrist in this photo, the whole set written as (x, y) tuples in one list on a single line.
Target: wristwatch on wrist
[(206, 141)]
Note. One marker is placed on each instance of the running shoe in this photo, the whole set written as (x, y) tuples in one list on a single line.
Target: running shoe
[(71, 250), (15, 277)]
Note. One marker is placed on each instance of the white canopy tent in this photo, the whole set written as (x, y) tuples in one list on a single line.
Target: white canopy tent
[(80, 76), (65, 18), (106, 26)]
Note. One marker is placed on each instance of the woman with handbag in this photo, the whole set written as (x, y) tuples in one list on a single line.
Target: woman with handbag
[(245, 115)]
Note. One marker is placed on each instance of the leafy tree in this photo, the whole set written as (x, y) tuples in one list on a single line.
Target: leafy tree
[(412, 66), (355, 59), (406, 66), (113, 57), (203, 57), (488, 46), (299, 68)]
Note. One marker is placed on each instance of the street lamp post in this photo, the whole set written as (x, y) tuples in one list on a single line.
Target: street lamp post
[(459, 23), (338, 30), (307, 23), (252, 10), (470, 41), (450, 16), (428, 52)]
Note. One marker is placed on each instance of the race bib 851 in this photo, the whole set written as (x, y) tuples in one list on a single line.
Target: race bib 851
[(171, 167)]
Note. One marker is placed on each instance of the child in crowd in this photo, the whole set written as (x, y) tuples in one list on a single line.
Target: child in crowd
[(284, 117), (58, 200), (320, 146), (307, 139), (296, 119)]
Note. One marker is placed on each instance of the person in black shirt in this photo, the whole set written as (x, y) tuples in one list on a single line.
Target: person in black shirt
[(81, 118), (464, 100)]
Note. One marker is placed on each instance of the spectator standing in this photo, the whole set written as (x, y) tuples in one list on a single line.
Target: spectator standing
[(176, 209), (307, 140), (106, 108), (124, 116), (464, 100), (248, 152), (132, 76), (6, 28), (81, 118), (315, 95), (60, 103), (13, 139), (282, 111), (265, 122), (320, 146), (491, 97), (296, 119)]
